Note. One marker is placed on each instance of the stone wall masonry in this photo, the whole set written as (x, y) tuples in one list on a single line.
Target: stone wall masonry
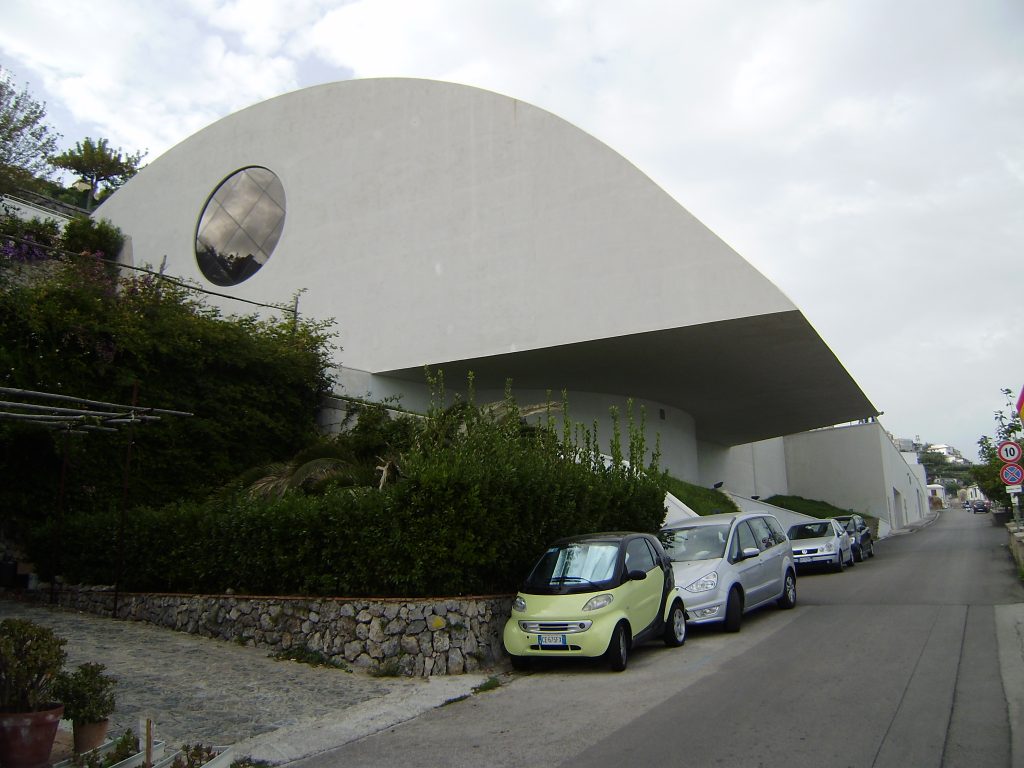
[(413, 637)]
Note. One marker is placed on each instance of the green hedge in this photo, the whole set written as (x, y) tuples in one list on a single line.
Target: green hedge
[(471, 509)]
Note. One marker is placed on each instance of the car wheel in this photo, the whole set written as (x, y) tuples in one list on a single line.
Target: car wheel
[(858, 554), (675, 627), (617, 654), (840, 563), (853, 558), (871, 549), (733, 611), (521, 663), (788, 599)]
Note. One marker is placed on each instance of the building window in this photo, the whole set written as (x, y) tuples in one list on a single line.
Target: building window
[(240, 226)]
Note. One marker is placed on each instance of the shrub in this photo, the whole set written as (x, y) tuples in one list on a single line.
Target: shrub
[(31, 658), (474, 499), (87, 694)]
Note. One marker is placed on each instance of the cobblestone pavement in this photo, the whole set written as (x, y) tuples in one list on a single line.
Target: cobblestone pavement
[(202, 690)]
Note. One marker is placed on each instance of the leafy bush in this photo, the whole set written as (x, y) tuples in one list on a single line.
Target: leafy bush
[(87, 694), (473, 501), (254, 387), (31, 658)]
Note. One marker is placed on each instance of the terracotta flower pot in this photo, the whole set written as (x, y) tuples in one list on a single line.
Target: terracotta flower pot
[(26, 738), (89, 735)]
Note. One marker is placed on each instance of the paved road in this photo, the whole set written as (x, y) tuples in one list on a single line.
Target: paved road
[(913, 658)]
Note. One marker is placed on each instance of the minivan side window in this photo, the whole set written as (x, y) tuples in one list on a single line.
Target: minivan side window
[(777, 532), (762, 533), (743, 539)]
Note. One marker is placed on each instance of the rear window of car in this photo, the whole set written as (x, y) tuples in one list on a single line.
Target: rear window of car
[(811, 530)]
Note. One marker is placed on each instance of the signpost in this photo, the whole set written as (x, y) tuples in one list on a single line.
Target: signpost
[(1011, 473)]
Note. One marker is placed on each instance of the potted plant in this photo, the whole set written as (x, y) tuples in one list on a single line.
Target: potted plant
[(31, 657), (88, 698)]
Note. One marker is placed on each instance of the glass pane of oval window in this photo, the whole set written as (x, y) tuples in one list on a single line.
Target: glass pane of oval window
[(240, 226)]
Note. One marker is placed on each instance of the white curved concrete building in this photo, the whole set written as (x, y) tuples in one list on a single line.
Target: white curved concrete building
[(448, 226)]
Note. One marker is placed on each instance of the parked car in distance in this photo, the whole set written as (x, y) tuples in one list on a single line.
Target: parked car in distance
[(861, 538), (821, 542), (730, 564), (596, 595)]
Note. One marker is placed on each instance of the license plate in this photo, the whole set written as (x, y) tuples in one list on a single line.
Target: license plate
[(551, 640)]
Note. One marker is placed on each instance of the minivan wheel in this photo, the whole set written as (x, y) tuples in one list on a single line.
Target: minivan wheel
[(617, 654), (788, 599), (675, 627), (733, 611)]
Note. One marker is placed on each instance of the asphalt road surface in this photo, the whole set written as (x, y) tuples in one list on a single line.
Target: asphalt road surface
[(895, 662)]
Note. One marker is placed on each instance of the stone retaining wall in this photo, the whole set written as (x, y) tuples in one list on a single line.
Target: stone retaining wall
[(1016, 544), (443, 636)]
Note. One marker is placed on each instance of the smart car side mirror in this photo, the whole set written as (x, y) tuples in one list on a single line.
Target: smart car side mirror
[(637, 575)]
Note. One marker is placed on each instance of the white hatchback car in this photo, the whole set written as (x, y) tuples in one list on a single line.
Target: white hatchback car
[(822, 542), (730, 564)]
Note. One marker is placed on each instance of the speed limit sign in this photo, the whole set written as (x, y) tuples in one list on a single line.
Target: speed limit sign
[(1009, 451)]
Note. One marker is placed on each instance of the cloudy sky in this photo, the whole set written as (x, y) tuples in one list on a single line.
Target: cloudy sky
[(867, 156)]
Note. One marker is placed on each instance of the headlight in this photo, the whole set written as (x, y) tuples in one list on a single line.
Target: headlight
[(830, 547), (596, 603), (704, 583), (519, 604)]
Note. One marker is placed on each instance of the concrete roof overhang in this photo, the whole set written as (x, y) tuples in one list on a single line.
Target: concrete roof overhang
[(742, 380)]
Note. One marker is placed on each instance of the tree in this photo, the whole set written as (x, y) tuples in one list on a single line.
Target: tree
[(1008, 427), (26, 142), (98, 164)]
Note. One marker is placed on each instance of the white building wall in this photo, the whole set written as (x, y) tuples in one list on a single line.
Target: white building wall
[(752, 469), (856, 467)]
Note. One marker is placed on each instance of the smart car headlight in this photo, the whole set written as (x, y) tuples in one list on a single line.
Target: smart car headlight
[(598, 602), (519, 604), (706, 582)]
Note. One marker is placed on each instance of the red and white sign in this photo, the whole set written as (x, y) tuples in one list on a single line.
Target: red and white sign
[(1011, 474), (1009, 452)]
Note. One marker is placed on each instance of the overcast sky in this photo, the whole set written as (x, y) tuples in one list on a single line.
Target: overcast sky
[(866, 156)]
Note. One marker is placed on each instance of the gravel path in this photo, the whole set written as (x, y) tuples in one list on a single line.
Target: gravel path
[(201, 690)]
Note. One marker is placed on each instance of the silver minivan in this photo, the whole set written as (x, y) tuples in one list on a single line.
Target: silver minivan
[(729, 564)]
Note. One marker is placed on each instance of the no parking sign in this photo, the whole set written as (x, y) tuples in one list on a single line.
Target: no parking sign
[(1011, 474)]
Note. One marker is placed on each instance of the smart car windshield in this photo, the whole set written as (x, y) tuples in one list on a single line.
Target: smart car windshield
[(699, 542), (811, 530), (574, 565)]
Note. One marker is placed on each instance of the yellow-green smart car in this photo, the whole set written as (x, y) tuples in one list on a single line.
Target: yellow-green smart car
[(596, 595)]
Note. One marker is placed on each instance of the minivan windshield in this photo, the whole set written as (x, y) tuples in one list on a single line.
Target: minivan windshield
[(573, 567), (811, 531), (699, 542)]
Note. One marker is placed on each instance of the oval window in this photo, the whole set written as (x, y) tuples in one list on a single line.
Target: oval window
[(240, 226)]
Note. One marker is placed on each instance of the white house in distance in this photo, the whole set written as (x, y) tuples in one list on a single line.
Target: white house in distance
[(446, 226)]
